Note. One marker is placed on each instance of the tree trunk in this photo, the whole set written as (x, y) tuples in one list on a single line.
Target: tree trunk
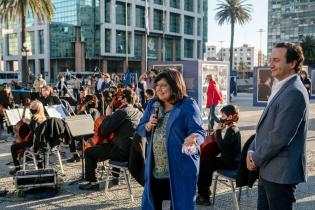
[(25, 69), (231, 44)]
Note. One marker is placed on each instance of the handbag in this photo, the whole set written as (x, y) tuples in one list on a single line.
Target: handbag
[(209, 148)]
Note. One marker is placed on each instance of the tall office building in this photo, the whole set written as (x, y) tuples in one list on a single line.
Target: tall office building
[(85, 34), (289, 21)]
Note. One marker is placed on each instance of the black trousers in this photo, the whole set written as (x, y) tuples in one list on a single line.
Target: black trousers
[(206, 171), (16, 147), (101, 152), (160, 189), (273, 196)]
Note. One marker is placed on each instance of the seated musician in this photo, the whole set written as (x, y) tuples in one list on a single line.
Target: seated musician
[(88, 104), (6, 102), (122, 124), (230, 150), (47, 97), (37, 117)]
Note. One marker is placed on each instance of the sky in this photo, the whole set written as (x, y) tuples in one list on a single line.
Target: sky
[(246, 34)]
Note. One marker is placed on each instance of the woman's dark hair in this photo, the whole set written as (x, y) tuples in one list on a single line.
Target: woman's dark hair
[(294, 52), (150, 92), (176, 81), (230, 110), (129, 95), (155, 71)]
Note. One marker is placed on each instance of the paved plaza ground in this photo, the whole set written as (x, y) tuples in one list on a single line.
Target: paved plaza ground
[(70, 197)]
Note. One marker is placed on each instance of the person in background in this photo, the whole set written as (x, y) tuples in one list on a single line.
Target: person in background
[(149, 94), (149, 77), (172, 125), (39, 83), (306, 82), (37, 117), (60, 85), (279, 148), (76, 88), (230, 150), (107, 82), (47, 98), (122, 124), (99, 83), (214, 97), (233, 91)]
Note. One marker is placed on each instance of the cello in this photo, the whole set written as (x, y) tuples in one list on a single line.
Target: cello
[(22, 130), (97, 138)]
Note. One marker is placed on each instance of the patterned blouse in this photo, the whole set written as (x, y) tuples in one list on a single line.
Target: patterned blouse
[(160, 166)]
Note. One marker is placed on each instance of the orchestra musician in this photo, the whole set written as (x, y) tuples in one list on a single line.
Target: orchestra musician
[(6, 102), (47, 98), (37, 117), (230, 149), (39, 83), (122, 124)]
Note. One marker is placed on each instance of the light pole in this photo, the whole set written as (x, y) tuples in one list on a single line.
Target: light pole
[(221, 42), (25, 51), (260, 54)]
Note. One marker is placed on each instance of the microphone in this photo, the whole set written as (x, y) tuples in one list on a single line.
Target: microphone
[(156, 107)]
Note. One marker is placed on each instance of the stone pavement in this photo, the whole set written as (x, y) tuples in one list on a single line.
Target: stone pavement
[(70, 197)]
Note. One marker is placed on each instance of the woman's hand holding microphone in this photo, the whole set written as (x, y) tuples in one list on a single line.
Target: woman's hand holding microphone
[(152, 123)]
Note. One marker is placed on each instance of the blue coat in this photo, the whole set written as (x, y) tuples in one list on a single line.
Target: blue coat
[(185, 119)]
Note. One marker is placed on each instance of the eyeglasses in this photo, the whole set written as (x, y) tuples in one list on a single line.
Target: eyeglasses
[(162, 86)]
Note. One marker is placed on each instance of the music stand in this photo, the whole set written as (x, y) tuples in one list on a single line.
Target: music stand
[(70, 100), (80, 126)]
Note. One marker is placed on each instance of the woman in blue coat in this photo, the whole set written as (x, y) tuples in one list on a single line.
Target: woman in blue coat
[(173, 126)]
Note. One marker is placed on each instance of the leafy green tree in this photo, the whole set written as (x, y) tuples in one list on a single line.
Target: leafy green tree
[(233, 11), (308, 46), (18, 10)]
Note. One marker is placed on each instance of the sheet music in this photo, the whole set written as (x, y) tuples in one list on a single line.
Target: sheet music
[(27, 113), (13, 116), (56, 111)]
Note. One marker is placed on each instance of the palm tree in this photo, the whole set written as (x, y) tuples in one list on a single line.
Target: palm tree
[(308, 46), (233, 11), (18, 10)]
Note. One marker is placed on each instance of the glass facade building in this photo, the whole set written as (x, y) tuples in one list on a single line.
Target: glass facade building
[(100, 31), (289, 21)]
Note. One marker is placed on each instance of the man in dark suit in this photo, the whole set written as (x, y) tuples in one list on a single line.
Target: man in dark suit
[(279, 147)]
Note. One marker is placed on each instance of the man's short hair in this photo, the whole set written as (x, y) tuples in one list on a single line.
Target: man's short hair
[(294, 52), (129, 95)]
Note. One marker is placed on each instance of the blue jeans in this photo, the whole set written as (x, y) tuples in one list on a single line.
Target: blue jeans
[(212, 117)]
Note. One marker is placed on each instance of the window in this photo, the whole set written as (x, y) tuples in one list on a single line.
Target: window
[(199, 6), (174, 23), (121, 13), (188, 48), (169, 51), (199, 49), (121, 42), (160, 2), (108, 36), (30, 40), (12, 44), (158, 20), (175, 3), (138, 46), (199, 27), (140, 15), (189, 5), (189, 25), (41, 42), (107, 11)]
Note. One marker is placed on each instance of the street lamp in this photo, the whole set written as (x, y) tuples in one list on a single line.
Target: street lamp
[(221, 42), (25, 51)]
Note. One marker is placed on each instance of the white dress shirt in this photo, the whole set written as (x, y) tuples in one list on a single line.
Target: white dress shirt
[(277, 85)]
